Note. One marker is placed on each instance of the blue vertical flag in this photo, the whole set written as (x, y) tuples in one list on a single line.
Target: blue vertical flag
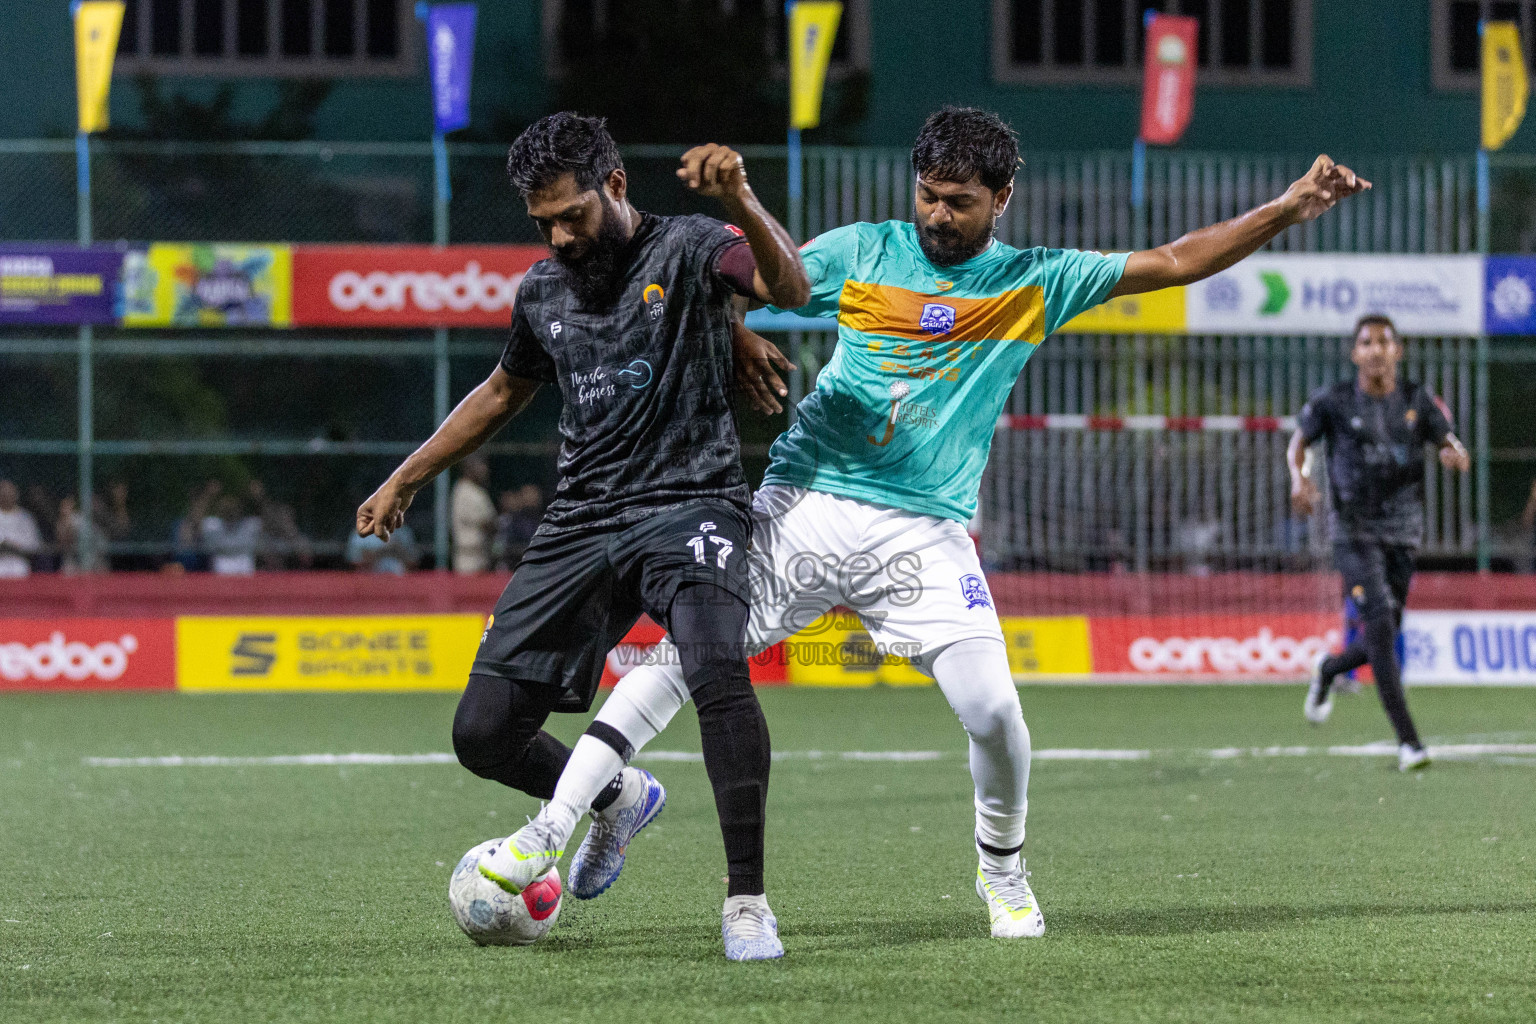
[(451, 53)]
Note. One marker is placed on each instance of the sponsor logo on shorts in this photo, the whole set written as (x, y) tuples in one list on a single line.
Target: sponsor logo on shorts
[(974, 589)]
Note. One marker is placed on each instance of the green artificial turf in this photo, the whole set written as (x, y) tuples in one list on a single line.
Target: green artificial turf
[(1177, 888)]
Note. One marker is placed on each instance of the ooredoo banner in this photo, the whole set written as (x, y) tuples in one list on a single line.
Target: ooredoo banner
[(87, 654), (408, 285), (1228, 647)]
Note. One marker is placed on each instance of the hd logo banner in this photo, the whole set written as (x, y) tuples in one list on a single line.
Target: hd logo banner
[(370, 652)]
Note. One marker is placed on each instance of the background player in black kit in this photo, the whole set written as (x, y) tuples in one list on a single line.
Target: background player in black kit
[(632, 320), (1376, 427)]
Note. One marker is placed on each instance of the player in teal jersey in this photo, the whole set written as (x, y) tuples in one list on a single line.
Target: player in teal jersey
[(865, 501)]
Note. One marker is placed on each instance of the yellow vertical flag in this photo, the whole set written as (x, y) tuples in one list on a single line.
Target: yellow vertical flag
[(97, 24), (1504, 84), (812, 27)]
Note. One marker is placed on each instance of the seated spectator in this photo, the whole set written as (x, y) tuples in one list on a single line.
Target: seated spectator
[(231, 538), (473, 517), (19, 536), (71, 524), (398, 555), (283, 546), (45, 512), (186, 533), (521, 512)]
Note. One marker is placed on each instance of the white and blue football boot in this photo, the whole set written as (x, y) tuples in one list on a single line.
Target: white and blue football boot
[(1011, 902), (750, 930), (600, 857), (522, 858)]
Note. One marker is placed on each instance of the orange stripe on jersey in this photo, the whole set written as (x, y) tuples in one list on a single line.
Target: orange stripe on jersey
[(891, 312)]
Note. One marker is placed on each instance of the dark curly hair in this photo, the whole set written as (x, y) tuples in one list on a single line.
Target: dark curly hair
[(1377, 320), (563, 143), (957, 143)]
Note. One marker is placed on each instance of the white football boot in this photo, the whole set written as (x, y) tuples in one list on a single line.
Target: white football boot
[(750, 930), (1011, 902), (523, 858), (1319, 703), (1412, 759)]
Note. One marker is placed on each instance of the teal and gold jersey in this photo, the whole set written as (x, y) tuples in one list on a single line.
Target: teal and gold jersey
[(926, 357)]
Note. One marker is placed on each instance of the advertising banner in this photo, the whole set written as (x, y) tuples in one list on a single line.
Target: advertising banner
[(1304, 293), (1159, 312), (1215, 647), (836, 650), (1510, 295), (1048, 647), (451, 53), (408, 285), (366, 652), (87, 654), (208, 285), (1488, 648), (59, 285), (1168, 78)]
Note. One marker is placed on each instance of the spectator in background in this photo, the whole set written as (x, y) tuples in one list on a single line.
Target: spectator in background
[(283, 545), (474, 517), (1528, 522), (231, 538), (521, 512), (186, 533), (67, 532), (398, 555), (45, 512), (19, 536)]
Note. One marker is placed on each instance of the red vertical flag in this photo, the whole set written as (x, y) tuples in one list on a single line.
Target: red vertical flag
[(1168, 83)]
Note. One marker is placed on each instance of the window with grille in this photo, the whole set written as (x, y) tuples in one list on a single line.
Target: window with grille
[(267, 37), (1242, 42), (1456, 50), (850, 48)]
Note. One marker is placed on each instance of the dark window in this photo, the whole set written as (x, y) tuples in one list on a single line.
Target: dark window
[(1275, 30), (165, 28), (1069, 32), (296, 28), (1201, 10), (251, 28), (383, 29), (1109, 32), (128, 39), (208, 27), (1464, 35), (1028, 39), (340, 28), (1235, 49)]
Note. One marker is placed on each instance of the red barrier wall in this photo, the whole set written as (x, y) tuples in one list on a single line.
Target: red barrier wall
[(156, 595)]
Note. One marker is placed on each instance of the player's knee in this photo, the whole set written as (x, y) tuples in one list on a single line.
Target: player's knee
[(995, 719), (478, 742), (720, 686)]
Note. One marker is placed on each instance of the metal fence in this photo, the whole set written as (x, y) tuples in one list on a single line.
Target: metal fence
[(1131, 496)]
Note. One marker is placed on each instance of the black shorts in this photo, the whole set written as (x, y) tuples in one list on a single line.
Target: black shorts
[(1375, 574), (575, 595)]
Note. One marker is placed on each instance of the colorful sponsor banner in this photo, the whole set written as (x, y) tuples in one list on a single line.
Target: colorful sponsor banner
[(208, 285), (1510, 295), (1159, 312), (1304, 293), (1051, 647), (408, 285), (451, 54), (97, 25), (87, 654), (1479, 648), (1168, 78), (1226, 647), (368, 652), (59, 285)]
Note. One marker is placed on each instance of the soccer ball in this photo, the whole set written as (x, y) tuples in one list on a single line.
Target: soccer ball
[(494, 917)]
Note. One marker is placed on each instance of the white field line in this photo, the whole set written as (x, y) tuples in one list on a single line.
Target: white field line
[(1501, 753)]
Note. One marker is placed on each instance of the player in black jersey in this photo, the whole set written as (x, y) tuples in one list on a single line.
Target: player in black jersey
[(1376, 427), (632, 320)]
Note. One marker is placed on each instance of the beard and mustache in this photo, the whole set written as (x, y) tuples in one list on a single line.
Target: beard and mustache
[(593, 272), (947, 246)]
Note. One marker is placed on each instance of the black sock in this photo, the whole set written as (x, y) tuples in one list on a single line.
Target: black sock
[(1381, 641)]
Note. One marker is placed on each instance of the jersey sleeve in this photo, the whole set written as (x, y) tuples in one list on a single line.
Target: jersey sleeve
[(524, 356), (1434, 417), (1313, 419), (827, 258), (706, 240), (1075, 281)]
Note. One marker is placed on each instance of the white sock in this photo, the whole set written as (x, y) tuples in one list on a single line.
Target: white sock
[(737, 902), (994, 864), (592, 766)]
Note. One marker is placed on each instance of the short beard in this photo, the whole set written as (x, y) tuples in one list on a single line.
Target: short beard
[(951, 249), (594, 276)]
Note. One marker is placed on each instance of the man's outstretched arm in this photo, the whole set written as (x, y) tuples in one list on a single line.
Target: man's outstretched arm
[(714, 170), (1208, 251), (475, 421)]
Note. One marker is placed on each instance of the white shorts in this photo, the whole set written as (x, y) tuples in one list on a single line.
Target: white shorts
[(913, 579)]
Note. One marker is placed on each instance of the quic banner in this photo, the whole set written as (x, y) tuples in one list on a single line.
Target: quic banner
[(1473, 648), (408, 285)]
